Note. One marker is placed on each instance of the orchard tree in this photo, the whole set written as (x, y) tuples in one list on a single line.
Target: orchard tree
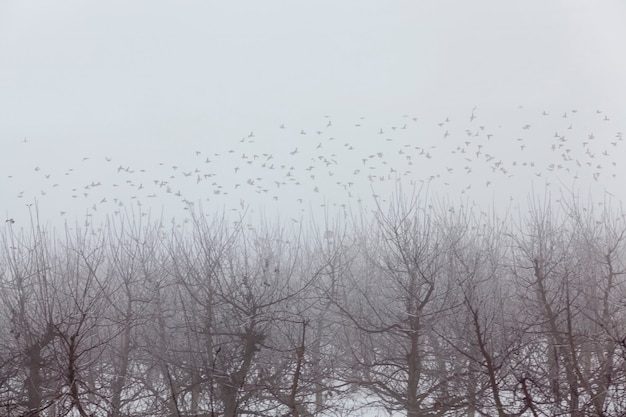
[(484, 331), (29, 313), (392, 304)]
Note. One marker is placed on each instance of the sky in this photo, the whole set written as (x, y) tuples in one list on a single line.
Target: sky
[(289, 107)]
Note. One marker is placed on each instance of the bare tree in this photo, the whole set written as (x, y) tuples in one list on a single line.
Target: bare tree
[(236, 292), (487, 335), (595, 318), (542, 264), (29, 260), (393, 303), (132, 253), (79, 295), (568, 265)]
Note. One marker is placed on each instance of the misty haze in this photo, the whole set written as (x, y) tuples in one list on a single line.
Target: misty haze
[(331, 209)]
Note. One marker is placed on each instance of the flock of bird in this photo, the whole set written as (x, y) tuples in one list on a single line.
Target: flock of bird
[(332, 163)]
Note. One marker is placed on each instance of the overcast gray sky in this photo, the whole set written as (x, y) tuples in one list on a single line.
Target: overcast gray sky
[(153, 85)]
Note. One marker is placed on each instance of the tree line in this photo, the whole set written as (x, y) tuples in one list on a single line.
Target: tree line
[(421, 308)]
